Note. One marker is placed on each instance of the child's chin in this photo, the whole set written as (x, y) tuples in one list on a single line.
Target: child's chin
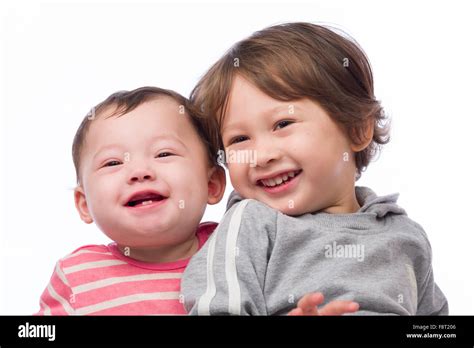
[(291, 212), (287, 207), (282, 207)]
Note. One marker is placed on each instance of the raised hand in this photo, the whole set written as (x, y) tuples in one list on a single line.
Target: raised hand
[(308, 305)]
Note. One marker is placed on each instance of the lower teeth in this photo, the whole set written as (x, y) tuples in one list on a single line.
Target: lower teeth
[(147, 202)]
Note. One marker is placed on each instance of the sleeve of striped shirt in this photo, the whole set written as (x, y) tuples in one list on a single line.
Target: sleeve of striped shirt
[(57, 298)]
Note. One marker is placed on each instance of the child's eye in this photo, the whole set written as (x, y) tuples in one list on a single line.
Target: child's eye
[(283, 124), (112, 163), (238, 139), (164, 154)]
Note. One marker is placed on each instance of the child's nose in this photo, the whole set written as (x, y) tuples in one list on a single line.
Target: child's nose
[(267, 152), (140, 175)]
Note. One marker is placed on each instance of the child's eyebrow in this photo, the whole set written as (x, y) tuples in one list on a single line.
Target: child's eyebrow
[(274, 111), (104, 148), (169, 137), (231, 126), (153, 140), (287, 108)]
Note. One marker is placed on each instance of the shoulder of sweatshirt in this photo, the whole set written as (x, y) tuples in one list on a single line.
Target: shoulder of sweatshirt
[(405, 228), (255, 216), (254, 210)]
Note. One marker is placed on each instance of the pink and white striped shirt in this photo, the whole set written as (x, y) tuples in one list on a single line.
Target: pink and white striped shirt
[(100, 280)]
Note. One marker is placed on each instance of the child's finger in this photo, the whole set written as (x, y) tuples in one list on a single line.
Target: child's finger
[(339, 308), (296, 311), (309, 301)]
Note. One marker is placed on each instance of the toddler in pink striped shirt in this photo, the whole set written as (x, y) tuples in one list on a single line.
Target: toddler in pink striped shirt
[(145, 173)]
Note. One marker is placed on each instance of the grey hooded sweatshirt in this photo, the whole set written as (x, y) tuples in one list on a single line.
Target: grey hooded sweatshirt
[(259, 261)]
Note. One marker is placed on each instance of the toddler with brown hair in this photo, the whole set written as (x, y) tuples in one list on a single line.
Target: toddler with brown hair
[(293, 109)]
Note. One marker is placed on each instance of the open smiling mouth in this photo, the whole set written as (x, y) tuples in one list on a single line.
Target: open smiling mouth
[(279, 180), (144, 198)]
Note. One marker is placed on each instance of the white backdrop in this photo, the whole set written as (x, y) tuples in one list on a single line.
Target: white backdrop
[(59, 59)]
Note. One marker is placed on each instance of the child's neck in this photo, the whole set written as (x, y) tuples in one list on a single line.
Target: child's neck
[(348, 204), (162, 254)]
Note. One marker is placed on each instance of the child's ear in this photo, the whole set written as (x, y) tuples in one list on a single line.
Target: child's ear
[(81, 205), (367, 135), (215, 185)]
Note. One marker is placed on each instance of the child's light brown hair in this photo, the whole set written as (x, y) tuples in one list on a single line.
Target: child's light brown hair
[(294, 61), (122, 102)]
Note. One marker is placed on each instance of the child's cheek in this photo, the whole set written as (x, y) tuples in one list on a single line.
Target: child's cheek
[(238, 173)]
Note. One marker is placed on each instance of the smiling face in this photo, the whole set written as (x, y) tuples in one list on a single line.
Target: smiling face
[(304, 162), (145, 176)]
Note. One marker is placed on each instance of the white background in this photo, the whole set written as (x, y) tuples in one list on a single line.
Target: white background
[(59, 59)]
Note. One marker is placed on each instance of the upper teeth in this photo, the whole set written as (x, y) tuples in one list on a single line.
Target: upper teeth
[(278, 179), (147, 202)]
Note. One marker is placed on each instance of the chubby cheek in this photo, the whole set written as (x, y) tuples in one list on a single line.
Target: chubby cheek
[(101, 195), (239, 178), (322, 149), (325, 168), (188, 187)]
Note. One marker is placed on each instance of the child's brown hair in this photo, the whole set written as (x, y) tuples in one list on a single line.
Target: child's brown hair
[(300, 60), (123, 102)]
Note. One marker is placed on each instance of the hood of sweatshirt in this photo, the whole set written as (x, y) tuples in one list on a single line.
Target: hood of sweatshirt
[(369, 202)]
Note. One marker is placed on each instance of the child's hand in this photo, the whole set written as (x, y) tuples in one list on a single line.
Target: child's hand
[(308, 306)]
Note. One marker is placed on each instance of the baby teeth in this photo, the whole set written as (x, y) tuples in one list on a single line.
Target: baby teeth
[(278, 180), (147, 202)]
